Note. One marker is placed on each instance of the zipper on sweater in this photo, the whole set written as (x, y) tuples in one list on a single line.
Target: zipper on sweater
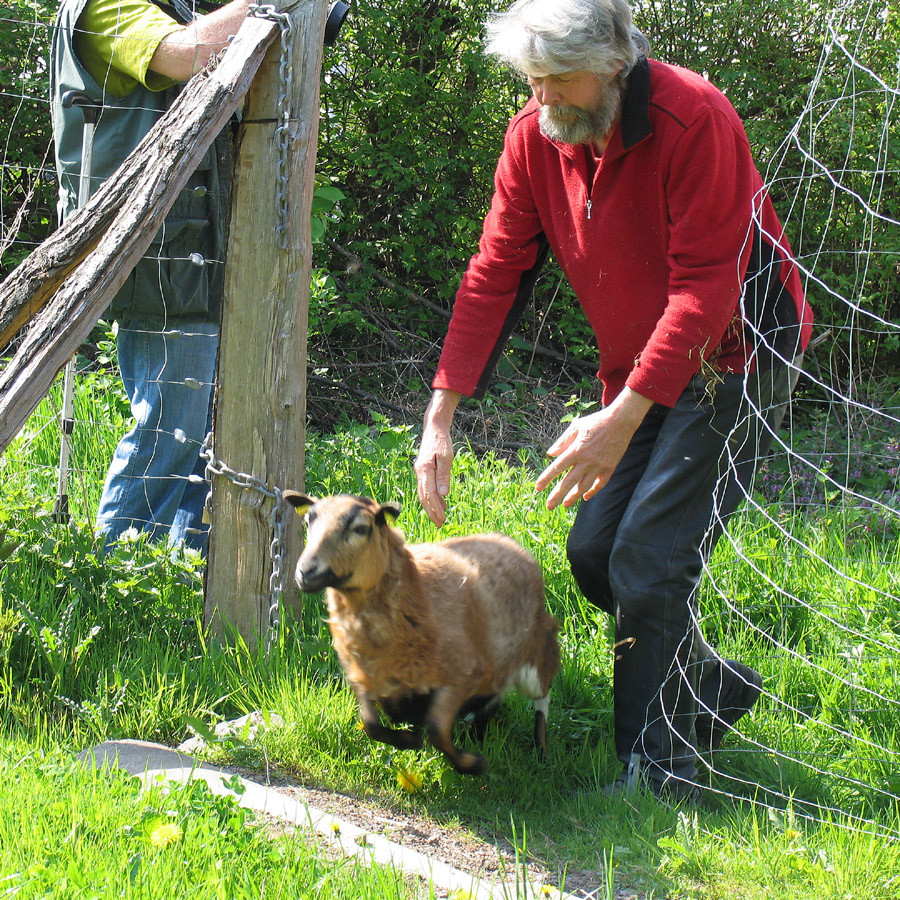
[(590, 172)]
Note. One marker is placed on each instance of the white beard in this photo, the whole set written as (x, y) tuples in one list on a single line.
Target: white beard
[(574, 125)]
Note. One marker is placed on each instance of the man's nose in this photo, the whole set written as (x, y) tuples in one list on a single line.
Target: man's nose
[(548, 97), (544, 93)]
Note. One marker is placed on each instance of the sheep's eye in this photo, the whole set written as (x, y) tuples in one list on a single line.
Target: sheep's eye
[(310, 517), (362, 529)]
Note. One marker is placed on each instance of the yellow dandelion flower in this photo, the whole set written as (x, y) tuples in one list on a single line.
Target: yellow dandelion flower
[(460, 894), (336, 828), (409, 781), (165, 834), (547, 890)]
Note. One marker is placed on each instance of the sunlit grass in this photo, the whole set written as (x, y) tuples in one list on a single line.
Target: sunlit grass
[(68, 830), (98, 648)]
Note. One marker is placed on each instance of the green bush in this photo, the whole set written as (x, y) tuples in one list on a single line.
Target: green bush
[(413, 117), (413, 121), (28, 188)]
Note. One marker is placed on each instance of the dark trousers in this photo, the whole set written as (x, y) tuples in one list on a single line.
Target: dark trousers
[(637, 550)]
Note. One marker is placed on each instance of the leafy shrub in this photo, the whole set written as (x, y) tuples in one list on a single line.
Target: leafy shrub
[(73, 614), (28, 208), (413, 117)]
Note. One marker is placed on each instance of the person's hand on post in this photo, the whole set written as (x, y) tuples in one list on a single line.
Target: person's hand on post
[(435, 459), (588, 451)]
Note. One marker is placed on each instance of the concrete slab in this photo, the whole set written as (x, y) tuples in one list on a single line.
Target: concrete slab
[(153, 762)]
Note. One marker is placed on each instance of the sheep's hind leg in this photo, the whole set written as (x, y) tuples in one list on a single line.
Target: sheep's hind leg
[(483, 716), (530, 684), (541, 708)]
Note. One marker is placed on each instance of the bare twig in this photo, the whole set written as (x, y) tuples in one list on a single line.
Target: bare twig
[(537, 349)]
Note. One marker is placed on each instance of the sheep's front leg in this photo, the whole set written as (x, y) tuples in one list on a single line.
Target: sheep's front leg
[(483, 717), (375, 729), (439, 722)]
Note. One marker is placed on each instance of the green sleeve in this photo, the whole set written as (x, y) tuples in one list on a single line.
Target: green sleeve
[(116, 39)]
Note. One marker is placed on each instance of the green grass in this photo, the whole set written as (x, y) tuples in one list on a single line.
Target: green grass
[(93, 648), (67, 830)]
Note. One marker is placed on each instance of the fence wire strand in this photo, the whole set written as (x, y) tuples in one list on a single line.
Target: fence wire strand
[(842, 473)]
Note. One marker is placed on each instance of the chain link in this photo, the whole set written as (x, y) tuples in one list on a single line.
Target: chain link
[(282, 130), (215, 466), (276, 579)]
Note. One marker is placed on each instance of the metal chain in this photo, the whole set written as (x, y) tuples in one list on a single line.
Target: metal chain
[(285, 70), (276, 579), (215, 466)]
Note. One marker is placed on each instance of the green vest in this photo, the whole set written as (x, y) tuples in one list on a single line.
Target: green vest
[(181, 275)]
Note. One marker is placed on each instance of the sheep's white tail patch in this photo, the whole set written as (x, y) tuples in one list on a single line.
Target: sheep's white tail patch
[(528, 683)]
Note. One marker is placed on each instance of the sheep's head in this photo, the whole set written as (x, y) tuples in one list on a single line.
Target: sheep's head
[(345, 546)]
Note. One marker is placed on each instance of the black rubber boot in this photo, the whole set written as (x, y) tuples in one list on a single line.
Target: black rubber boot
[(655, 676), (725, 696)]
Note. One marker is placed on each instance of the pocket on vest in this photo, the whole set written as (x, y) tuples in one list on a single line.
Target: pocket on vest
[(173, 277)]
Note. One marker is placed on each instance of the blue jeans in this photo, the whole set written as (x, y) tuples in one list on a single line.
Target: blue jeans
[(168, 377)]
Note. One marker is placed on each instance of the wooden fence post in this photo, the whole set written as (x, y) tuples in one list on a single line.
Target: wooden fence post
[(259, 428)]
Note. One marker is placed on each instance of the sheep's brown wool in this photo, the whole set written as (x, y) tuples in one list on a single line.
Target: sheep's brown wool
[(428, 632)]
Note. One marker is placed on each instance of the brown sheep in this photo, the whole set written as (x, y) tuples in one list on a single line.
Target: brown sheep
[(428, 632)]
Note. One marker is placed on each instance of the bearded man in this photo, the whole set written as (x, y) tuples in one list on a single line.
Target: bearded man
[(639, 177)]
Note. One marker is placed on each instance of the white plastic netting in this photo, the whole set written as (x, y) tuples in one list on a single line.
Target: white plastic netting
[(804, 585)]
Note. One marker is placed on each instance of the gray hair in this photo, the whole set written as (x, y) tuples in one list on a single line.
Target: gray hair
[(547, 37)]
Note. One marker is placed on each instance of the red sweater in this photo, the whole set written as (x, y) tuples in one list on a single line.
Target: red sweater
[(673, 248)]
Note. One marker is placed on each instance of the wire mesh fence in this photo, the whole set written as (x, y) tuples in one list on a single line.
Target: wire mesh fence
[(825, 508)]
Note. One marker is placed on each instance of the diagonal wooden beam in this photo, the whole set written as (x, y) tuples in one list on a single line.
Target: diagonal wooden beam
[(65, 285)]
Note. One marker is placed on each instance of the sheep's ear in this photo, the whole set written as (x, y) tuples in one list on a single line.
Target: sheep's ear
[(299, 501), (387, 514)]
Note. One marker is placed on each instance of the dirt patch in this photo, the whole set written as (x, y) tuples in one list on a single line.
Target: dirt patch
[(451, 846)]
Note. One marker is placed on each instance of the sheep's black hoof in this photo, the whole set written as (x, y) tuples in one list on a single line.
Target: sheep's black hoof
[(470, 764), (407, 740), (412, 740)]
